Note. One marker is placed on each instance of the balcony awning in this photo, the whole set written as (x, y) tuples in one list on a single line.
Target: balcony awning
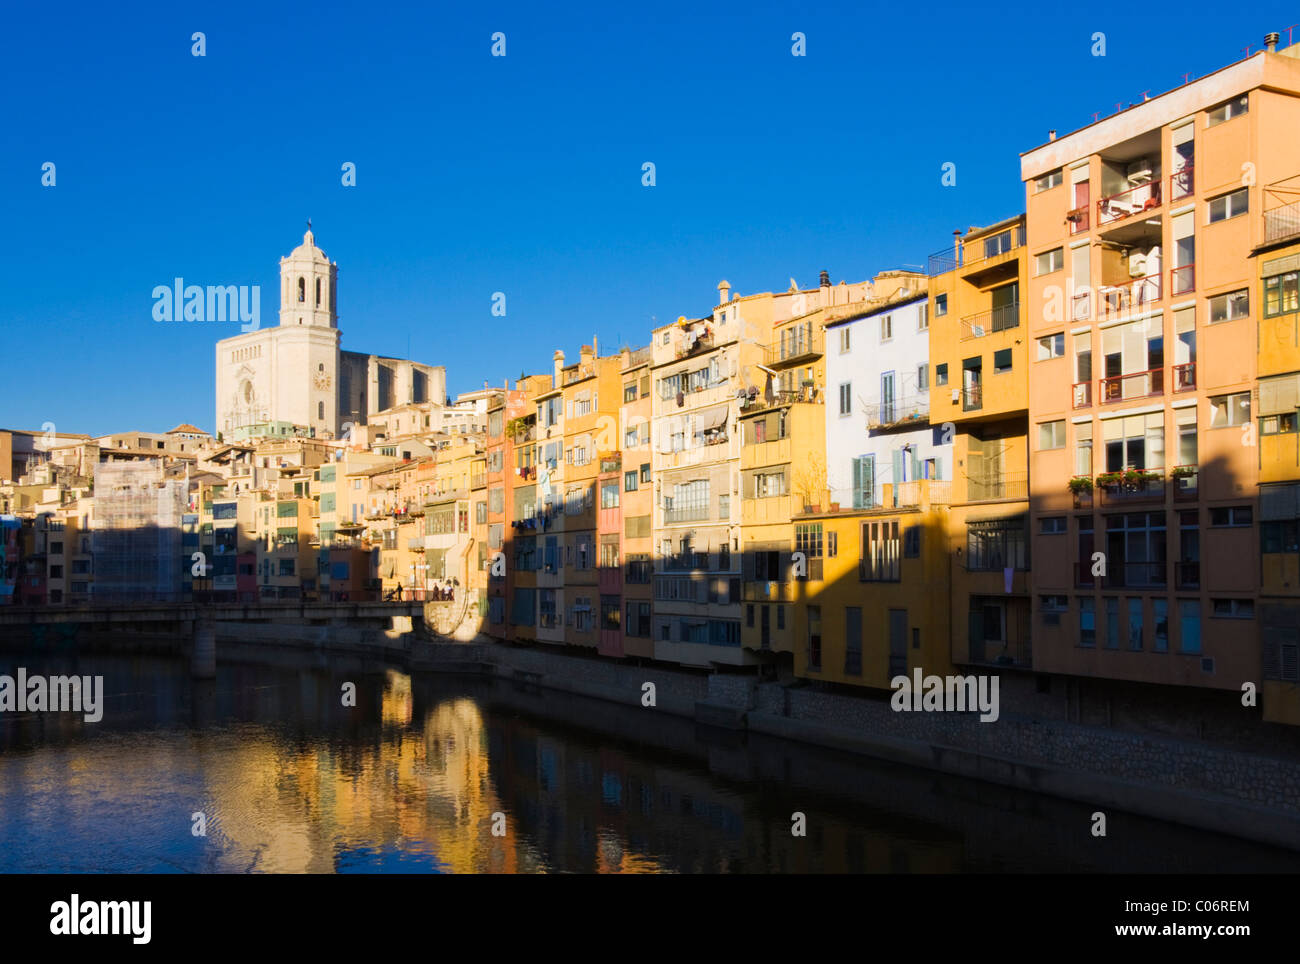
[(713, 418)]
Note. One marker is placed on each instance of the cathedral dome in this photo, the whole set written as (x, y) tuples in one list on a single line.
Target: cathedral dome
[(307, 251)]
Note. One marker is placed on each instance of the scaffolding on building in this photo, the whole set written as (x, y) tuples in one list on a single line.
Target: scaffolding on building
[(137, 531)]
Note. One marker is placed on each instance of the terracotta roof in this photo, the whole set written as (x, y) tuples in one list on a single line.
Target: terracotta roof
[(187, 427)]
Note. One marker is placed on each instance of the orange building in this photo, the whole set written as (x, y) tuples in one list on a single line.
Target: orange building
[(1148, 352)]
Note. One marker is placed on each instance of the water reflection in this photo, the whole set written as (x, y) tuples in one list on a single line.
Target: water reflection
[(409, 780)]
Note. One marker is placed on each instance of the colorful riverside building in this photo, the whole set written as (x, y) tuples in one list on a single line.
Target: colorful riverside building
[(635, 512), (701, 370), (784, 460), (540, 409), (1278, 257), (877, 553), (590, 393), (1156, 376), (504, 414), (979, 406)]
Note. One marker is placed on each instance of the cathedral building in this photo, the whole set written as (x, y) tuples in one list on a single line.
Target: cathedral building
[(296, 378)]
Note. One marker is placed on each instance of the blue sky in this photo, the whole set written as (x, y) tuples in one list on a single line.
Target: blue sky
[(522, 174)]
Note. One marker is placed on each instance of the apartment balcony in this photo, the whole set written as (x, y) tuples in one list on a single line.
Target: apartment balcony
[(692, 514), (1122, 575), (1184, 377), (999, 652), (1125, 204), (1137, 292), (1127, 488), (478, 481), (1187, 575), (1082, 394), (1282, 222), (1005, 486), (1182, 183), (979, 255), (1186, 482), (798, 345), (913, 494), (1147, 384), (1081, 306), (991, 321), (896, 412), (1182, 280)]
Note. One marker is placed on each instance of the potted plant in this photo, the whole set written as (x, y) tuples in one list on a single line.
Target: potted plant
[(1182, 471), (1108, 479), (1081, 484)]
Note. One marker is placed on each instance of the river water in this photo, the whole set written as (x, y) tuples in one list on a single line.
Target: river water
[(452, 774)]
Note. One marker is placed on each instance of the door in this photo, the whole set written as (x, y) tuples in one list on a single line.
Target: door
[(897, 642), (887, 397)]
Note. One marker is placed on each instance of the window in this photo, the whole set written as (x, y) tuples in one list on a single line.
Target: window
[(1227, 206), (940, 305), (912, 542), (1083, 449), (1053, 604), (1087, 621), (629, 481), (1225, 112), (846, 398), (1231, 517), (609, 495), (724, 508), (852, 641), (645, 472), (1230, 306), (1135, 623), (1280, 294), (1052, 525), (1282, 424), (1160, 639), (996, 544), (1226, 410), (1048, 181), (769, 484), (808, 539), (1234, 608), (923, 319), (999, 243), (1051, 435), (1053, 346), (880, 552), (844, 339), (941, 374), (922, 378), (815, 637), (832, 545), (1112, 622), (886, 327), (1002, 361), (1049, 261), (1189, 616), (629, 392)]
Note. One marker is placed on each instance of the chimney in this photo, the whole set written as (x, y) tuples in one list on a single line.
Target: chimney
[(825, 280), (1051, 135), (724, 291), (1270, 41), (559, 367), (956, 247), (585, 354), (626, 357)]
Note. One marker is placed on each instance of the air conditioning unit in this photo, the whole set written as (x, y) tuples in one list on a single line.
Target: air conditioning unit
[(1137, 264), (1139, 171)]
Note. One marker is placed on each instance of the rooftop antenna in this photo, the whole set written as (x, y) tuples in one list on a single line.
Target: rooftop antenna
[(1185, 76)]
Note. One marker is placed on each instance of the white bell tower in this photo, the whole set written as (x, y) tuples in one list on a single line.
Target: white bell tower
[(308, 286)]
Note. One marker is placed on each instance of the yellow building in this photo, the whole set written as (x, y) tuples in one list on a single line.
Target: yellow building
[(866, 611), (1278, 257), (979, 402)]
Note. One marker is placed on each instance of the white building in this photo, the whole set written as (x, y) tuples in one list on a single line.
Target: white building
[(297, 373), (878, 427)]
